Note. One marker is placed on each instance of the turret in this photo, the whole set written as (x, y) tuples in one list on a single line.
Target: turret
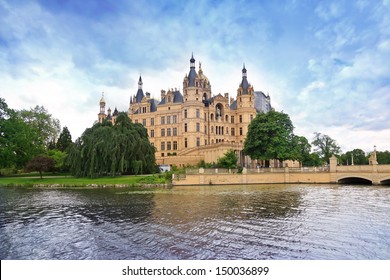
[(140, 94), (244, 82), (192, 74), (102, 114), (102, 104)]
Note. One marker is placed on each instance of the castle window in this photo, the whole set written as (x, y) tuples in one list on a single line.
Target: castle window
[(168, 119), (175, 145), (185, 127), (197, 113), (169, 99), (212, 116), (174, 119), (232, 119), (218, 110), (197, 141), (185, 113), (169, 147), (212, 129), (152, 133), (205, 116), (197, 127), (232, 131), (162, 132), (175, 131), (162, 120), (168, 132), (251, 117), (144, 122), (226, 118), (185, 143), (152, 121), (162, 146), (240, 118), (240, 130), (227, 130)]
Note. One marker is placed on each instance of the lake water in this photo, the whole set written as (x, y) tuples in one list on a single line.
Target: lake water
[(205, 222)]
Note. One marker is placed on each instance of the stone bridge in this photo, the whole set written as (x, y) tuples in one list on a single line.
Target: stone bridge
[(373, 173), (365, 174)]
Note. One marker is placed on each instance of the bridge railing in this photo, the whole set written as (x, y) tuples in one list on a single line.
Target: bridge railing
[(289, 169), (257, 170)]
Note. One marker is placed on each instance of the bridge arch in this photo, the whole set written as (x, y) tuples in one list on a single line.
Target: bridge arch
[(385, 181), (361, 180)]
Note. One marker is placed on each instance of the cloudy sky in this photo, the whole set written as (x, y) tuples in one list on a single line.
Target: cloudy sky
[(326, 64)]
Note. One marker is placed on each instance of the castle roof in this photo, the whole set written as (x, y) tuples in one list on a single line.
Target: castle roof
[(140, 93), (192, 75)]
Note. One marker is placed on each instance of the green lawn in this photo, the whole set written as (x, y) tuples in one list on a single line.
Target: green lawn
[(72, 181)]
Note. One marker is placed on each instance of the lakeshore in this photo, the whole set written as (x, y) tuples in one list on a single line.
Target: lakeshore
[(157, 181), (296, 222)]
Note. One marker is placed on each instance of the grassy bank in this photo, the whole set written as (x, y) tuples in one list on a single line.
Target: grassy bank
[(69, 181)]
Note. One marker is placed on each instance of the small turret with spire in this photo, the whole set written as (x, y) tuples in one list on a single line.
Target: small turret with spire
[(102, 112), (192, 74), (140, 94)]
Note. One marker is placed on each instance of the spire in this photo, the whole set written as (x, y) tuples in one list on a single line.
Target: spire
[(140, 82), (244, 82), (102, 104), (140, 93), (243, 70), (192, 74)]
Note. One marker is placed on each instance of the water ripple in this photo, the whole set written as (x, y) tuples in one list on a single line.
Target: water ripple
[(232, 222)]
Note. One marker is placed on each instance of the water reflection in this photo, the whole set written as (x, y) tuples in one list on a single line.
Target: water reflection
[(208, 222)]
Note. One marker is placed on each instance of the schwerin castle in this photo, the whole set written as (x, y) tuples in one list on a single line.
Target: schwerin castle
[(195, 125)]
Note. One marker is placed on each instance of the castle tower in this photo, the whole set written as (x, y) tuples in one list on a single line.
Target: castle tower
[(102, 115)]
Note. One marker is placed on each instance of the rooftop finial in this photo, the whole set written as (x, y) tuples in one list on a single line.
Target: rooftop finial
[(140, 82)]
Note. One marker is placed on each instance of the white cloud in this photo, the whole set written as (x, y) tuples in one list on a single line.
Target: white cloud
[(324, 65)]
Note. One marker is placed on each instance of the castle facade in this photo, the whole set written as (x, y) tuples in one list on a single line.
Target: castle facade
[(193, 125)]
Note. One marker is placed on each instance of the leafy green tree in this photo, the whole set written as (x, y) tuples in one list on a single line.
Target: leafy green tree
[(44, 125), (106, 149), (301, 149), (64, 140), (229, 160), (313, 160), (24, 134), (18, 141), (325, 146), (358, 155), (40, 164), (383, 157), (59, 158), (270, 136)]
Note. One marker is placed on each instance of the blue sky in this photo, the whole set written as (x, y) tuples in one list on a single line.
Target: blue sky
[(325, 63)]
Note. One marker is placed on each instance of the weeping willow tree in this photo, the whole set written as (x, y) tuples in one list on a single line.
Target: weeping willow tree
[(107, 149)]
